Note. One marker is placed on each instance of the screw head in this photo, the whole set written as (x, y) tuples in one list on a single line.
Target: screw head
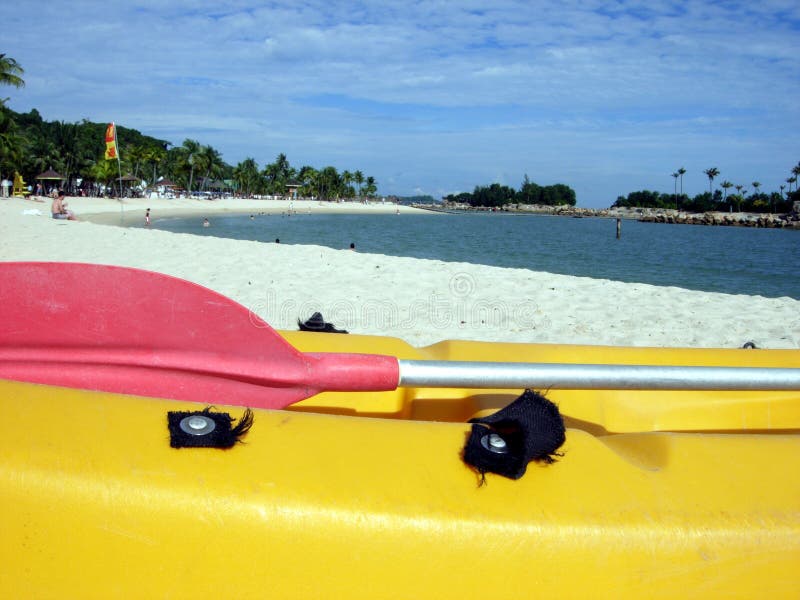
[(197, 425), (494, 443)]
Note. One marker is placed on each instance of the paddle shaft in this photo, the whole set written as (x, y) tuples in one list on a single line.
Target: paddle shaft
[(135, 332), (440, 374)]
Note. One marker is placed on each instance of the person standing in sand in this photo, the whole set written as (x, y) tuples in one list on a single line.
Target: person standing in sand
[(59, 207), (147, 218)]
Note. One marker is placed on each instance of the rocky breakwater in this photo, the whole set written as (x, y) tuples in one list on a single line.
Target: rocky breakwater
[(773, 221)]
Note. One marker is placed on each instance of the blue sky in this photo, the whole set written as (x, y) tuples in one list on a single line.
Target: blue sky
[(436, 97)]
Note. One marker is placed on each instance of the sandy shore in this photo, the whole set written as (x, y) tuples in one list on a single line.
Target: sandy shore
[(421, 301)]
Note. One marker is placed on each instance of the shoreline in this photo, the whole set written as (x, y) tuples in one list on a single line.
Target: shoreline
[(422, 301), (107, 210)]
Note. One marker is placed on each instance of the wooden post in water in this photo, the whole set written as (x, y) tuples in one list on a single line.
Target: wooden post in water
[(619, 228)]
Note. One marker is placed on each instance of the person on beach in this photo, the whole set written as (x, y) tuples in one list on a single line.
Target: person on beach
[(59, 207), (147, 218), (206, 223)]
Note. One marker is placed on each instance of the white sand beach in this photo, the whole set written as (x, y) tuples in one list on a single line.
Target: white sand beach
[(420, 301)]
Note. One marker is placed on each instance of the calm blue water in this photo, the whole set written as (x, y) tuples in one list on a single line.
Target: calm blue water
[(723, 259)]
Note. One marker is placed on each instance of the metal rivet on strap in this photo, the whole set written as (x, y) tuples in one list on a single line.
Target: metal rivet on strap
[(494, 443), (197, 425)]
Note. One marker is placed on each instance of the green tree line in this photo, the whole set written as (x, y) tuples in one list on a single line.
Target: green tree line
[(719, 199), (497, 195), (30, 145)]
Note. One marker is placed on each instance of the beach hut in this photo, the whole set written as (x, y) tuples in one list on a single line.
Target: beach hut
[(161, 188), (127, 182), (50, 179)]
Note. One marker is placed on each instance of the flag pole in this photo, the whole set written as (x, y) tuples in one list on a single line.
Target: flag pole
[(112, 151)]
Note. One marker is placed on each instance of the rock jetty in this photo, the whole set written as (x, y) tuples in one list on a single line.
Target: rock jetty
[(649, 215)]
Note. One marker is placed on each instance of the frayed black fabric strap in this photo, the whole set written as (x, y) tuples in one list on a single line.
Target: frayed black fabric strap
[(206, 429), (530, 428), (316, 322)]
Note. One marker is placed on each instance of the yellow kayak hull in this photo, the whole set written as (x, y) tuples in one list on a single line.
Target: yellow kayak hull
[(657, 495)]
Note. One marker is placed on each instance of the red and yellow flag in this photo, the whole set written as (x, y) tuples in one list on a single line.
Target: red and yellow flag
[(111, 142)]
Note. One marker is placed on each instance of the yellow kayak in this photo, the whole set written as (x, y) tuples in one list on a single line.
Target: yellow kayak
[(657, 494)]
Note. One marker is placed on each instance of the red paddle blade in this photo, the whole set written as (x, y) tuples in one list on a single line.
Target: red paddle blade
[(137, 332)]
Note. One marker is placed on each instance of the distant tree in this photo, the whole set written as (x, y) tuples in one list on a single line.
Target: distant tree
[(494, 195), (247, 177), (278, 174), (11, 72), (675, 175), (307, 177), (529, 193), (358, 177), (644, 199), (347, 179), (154, 156), (209, 162), (681, 172), (371, 188), (134, 157), (711, 174), (189, 151), (726, 185)]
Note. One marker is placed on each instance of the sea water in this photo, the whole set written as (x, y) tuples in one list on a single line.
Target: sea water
[(732, 260)]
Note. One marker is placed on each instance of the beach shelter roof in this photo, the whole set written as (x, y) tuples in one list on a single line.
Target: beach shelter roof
[(129, 177), (217, 184), (50, 174), (164, 183)]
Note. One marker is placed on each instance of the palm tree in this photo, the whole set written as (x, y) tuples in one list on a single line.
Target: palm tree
[(209, 161), (246, 176), (347, 179), (11, 72), (726, 185), (307, 177), (372, 187), (711, 173), (358, 177), (190, 149), (790, 181), (278, 174), (135, 156), (11, 144), (681, 172), (155, 155), (739, 198), (675, 175), (796, 174)]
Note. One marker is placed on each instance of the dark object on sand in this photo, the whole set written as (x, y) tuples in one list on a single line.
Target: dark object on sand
[(317, 323)]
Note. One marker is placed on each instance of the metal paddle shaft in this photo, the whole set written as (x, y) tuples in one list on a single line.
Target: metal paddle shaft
[(128, 331), (440, 374)]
